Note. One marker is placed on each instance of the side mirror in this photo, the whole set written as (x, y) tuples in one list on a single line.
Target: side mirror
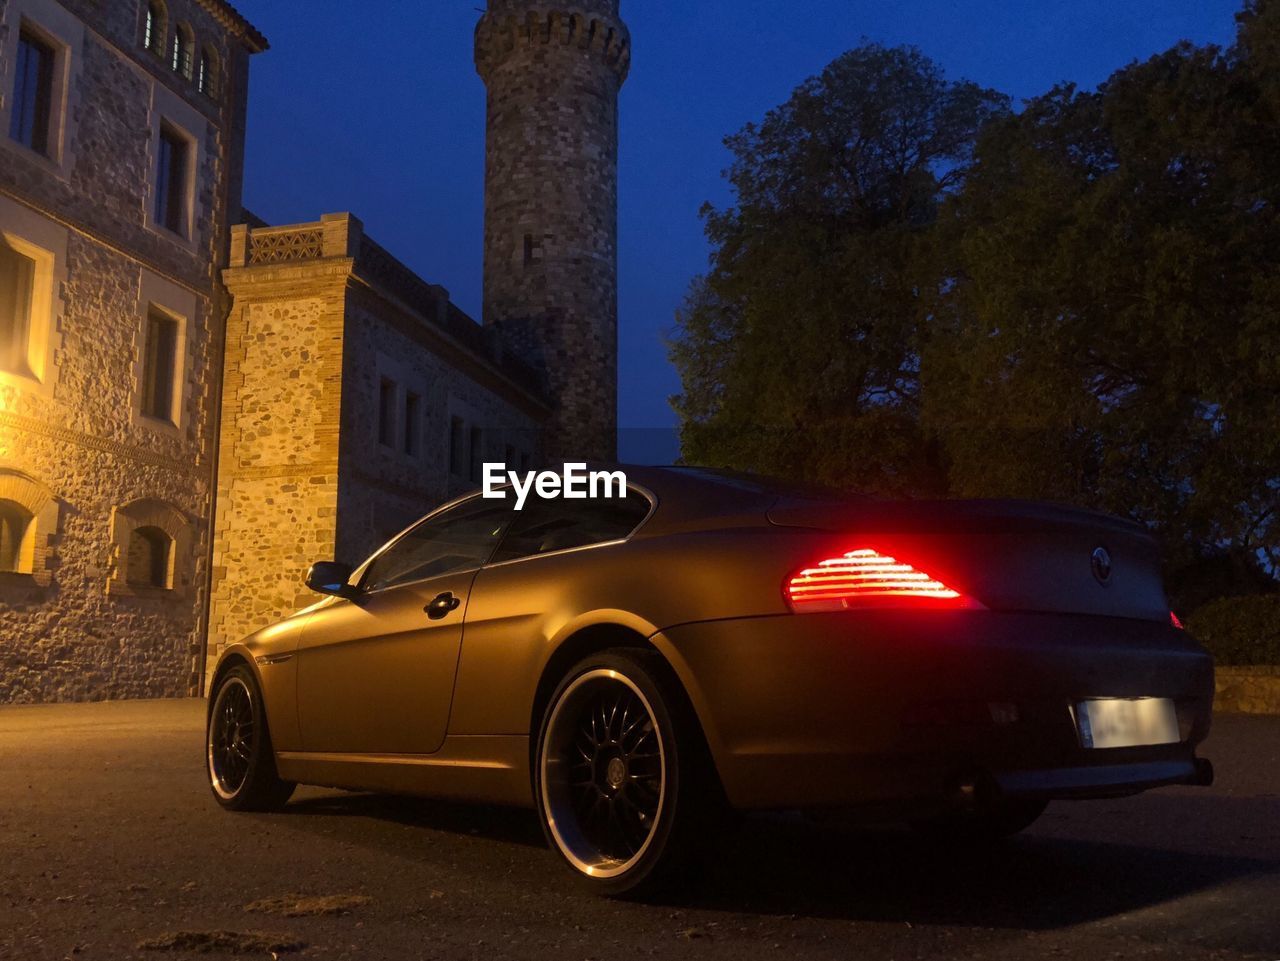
[(330, 577)]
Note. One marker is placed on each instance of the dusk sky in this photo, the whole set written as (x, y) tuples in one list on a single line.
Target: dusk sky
[(376, 108)]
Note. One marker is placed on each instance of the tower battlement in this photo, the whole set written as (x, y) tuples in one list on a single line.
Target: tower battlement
[(498, 35)]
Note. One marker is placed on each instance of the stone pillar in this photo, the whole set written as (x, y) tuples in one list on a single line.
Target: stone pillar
[(553, 72), (277, 492)]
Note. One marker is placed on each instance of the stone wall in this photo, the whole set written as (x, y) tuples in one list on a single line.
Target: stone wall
[(385, 488), (551, 204), (1247, 690), (74, 625)]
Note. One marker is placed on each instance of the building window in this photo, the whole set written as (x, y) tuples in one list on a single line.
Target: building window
[(17, 285), (16, 538), (387, 413), (148, 562), (183, 51), (153, 29), (412, 423), (160, 367), (33, 93), (171, 181), (151, 543), (457, 447), (207, 73), (477, 454), (28, 516)]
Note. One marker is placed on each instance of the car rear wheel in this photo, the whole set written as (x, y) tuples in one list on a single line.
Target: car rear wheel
[(240, 761), (624, 784)]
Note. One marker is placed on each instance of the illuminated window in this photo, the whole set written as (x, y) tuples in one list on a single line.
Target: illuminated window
[(160, 367), (16, 538), (207, 73), (412, 423), (32, 115), (17, 286), (148, 562), (171, 180), (183, 51), (28, 516), (153, 29), (387, 413)]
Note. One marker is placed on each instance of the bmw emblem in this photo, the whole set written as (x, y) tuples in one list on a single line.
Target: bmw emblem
[(1100, 562)]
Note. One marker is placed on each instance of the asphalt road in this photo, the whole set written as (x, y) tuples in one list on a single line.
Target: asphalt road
[(109, 839)]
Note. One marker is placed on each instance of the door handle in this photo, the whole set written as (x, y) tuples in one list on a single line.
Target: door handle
[(442, 605)]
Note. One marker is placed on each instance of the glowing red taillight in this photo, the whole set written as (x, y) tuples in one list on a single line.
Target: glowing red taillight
[(1176, 621), (868, 578)]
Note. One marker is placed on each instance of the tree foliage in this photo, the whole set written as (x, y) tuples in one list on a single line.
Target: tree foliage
[(919, 290), (799, 351)]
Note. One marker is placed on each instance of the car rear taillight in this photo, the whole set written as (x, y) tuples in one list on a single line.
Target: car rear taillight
[(1176, 621), (867, 578)]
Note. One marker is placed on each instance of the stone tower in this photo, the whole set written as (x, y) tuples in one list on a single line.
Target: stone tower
[(553, 70)]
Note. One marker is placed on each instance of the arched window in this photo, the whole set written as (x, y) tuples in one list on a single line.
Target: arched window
[(17, 538), (28, 519), (148, 562), (151, 543), (154, 28), (207, 73), (184, 43)]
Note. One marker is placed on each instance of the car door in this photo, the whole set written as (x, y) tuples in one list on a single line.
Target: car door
[(376, 671), (554, 555)]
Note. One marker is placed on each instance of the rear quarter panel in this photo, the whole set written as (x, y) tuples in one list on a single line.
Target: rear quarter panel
[(520, 612)]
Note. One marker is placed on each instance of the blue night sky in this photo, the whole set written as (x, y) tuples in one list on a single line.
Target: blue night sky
[(375, 108)]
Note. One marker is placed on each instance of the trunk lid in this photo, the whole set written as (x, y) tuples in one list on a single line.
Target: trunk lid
[(1009, 555)]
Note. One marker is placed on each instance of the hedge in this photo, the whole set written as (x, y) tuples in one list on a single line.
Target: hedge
[(1240, 631)]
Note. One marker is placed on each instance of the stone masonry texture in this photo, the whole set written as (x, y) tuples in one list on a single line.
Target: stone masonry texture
[(553, 74), (73, 629)]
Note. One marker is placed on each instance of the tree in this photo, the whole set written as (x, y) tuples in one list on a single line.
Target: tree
[(799, 351), (1112, 335)]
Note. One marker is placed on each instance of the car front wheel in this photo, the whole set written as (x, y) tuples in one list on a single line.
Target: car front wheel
[(240, 761), (623, 782)]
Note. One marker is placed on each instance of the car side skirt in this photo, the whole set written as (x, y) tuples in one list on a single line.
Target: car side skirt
[(488, 769)]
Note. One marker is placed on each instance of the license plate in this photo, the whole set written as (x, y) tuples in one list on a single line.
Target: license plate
[(1127, 722)]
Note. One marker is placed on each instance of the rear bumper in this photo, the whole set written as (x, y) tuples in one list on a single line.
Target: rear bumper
[(899, 707)]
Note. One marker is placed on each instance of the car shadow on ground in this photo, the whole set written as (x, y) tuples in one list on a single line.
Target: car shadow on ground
[(786, 865), (505, 825)]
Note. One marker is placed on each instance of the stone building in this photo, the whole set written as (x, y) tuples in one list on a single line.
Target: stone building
[(194, 406), (392, 400), (121, 152)]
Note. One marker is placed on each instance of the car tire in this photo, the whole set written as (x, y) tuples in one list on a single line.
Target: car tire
[(626, 790), (239, 759), (992, 821)]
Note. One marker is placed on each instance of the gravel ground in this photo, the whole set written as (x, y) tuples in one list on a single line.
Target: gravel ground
[(111, 847)]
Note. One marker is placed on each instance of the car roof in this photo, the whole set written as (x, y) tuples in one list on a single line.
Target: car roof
[(692, 498)]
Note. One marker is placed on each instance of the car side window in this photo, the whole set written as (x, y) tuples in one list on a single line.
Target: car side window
[(545, 526), (458, 540)]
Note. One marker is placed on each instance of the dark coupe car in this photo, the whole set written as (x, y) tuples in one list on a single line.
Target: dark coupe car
[(631, 666)]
